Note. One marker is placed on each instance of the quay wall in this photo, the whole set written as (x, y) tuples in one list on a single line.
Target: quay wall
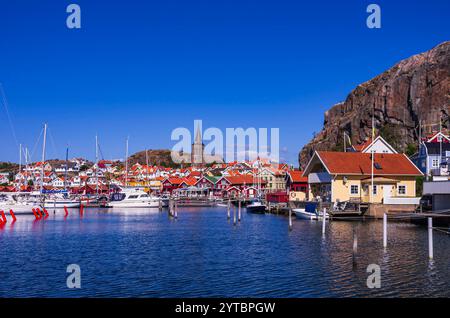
[(377, 210)]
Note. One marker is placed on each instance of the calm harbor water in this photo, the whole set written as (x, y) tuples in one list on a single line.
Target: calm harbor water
[(201, 254)]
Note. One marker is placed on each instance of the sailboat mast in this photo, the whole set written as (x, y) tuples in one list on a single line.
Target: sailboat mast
[(146, 164), (126, 164), (43, 156), (20, 165), (26, 165), (96, 164), (67, 163)]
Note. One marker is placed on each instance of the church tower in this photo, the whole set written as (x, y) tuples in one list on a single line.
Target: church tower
[(198, 147)]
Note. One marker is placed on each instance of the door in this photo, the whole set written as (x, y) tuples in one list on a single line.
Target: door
[(387, 191)]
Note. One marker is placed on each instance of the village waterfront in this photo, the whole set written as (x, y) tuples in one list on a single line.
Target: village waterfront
[(202, 253)]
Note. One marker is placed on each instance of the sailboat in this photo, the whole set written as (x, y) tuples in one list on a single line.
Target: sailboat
[(53, 199), (257, 206)]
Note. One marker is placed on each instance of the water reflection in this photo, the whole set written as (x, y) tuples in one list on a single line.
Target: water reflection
[(148, 254)]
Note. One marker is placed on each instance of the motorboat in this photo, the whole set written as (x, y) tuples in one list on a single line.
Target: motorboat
[(256, 207), (309, 212), (134, 198)]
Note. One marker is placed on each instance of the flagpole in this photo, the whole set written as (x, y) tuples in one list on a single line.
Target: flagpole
[(345, 143), (372, 154), (440, 141)]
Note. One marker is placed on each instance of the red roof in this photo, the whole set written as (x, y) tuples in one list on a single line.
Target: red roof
[(363, 146), (175, 181), (243, 179), (297, 176), (361, 163), (190, 181)]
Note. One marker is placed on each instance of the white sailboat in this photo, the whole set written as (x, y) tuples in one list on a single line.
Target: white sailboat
[(17, 202), (56, 200), (257, 206)]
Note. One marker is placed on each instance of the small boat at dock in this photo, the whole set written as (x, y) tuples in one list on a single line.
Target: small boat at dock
[(309, 212), (256, 207), (134, 198)]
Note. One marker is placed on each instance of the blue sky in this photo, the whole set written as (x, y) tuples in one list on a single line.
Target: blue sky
[(143, 68)]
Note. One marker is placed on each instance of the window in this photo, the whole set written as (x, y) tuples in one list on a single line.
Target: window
[(374, 192), (401, 190), (354, 189), (435, 163)]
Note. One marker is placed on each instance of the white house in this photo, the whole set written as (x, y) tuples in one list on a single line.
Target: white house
[(379, 145)]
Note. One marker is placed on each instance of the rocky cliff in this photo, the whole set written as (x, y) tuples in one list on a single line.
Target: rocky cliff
[(414, 93)]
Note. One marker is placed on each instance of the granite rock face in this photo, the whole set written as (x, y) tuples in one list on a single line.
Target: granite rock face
[(414, 93)]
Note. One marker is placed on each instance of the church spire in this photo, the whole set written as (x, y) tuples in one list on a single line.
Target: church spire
[(198, 135), (197, 146)]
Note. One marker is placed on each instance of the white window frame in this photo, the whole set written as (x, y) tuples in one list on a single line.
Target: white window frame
[(433, 161), (357, 187), (398, 189)]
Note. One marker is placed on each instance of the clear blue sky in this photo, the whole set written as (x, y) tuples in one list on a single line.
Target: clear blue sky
[(143, 68)]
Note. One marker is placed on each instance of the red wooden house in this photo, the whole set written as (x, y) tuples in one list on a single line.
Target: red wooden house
[(171, 183)]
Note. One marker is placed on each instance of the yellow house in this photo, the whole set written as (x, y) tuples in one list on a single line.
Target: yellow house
[(355, 176)]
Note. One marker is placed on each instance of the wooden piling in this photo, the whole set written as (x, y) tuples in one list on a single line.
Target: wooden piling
[(355, 248), (228, 209), (176, 209), (290, 219), (239, 211), (385, 230), (430, 238), (234, 215), (324, 213)]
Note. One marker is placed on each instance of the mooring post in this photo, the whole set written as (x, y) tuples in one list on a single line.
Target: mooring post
[(228, 209), (430, 238), (290, 219), (176, 209), (324, 220), (160, 204), (239, 211), (355, 248), (234, 214), (385, 230)]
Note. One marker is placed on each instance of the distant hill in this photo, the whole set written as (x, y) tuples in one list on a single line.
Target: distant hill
[(8, 167), (159, 157)]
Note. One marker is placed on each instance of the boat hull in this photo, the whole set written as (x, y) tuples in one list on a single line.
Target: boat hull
[(61, 204), (19, 208), (149, 204), (260, 209), (304, 215)]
